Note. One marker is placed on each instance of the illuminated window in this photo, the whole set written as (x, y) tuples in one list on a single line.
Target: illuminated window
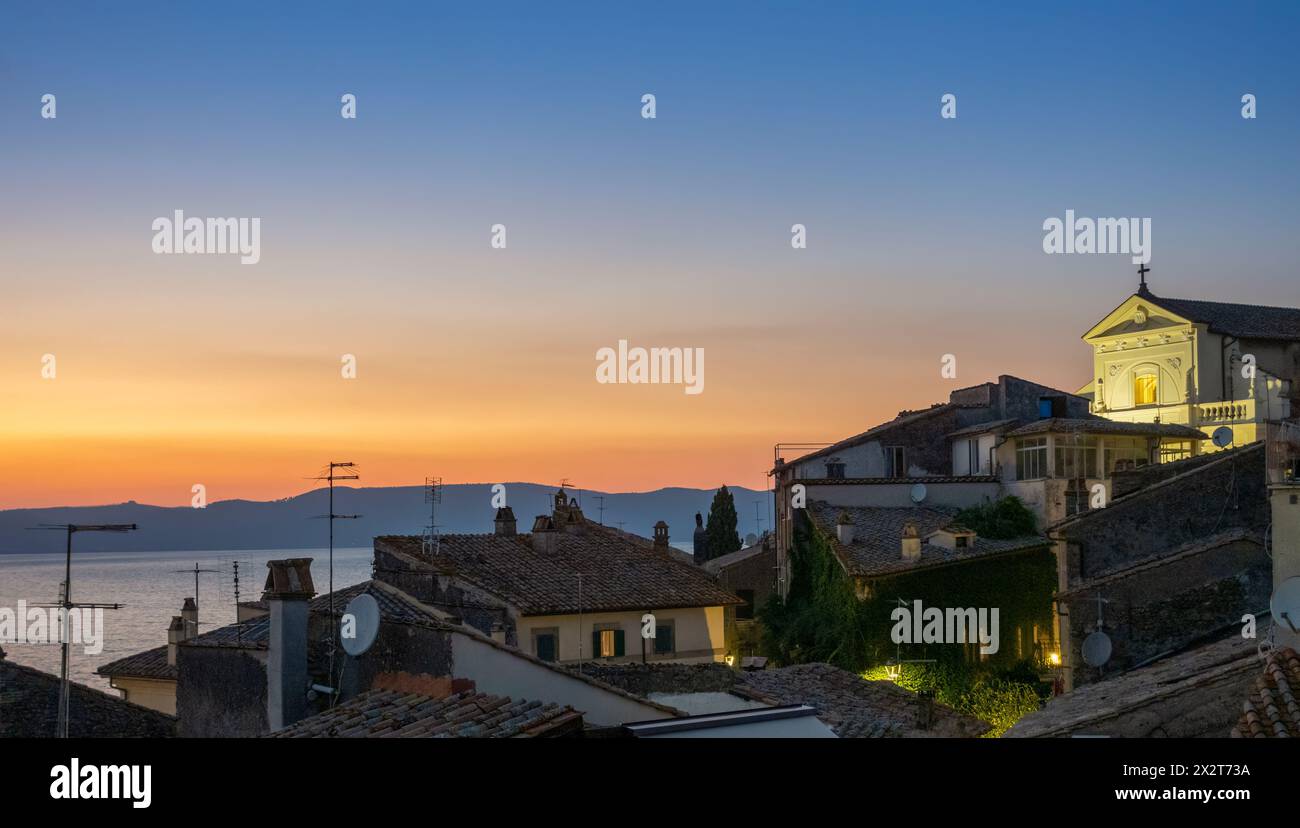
[(607, 643), (1145, 389)]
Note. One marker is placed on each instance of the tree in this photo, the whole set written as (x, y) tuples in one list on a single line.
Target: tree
[(721, 530)]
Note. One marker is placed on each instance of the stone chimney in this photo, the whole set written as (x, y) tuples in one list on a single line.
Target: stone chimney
[(544, 534), (911, 542), (288, 589), (574, 523), (505, 521), (661, 535), (175, 635), (190, 615), (844, 529), (700, 540)]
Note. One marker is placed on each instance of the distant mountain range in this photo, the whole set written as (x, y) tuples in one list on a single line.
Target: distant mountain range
[(293, 523)]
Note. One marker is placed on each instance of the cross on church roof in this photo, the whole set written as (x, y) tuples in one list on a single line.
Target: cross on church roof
[(1143, 270)]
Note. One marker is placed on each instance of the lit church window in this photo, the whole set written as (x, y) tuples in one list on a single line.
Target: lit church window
[(1144, 389)]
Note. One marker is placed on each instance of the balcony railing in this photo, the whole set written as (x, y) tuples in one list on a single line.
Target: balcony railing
[(1237, 411)]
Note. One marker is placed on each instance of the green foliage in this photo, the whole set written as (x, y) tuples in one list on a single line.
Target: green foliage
[(1000, 698), (1003, 519), (823, 619), (721, 528)]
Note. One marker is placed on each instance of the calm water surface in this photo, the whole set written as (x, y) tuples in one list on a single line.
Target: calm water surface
[(151, 589)]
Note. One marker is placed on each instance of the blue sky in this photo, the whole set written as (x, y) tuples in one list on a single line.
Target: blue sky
[(924, 234)]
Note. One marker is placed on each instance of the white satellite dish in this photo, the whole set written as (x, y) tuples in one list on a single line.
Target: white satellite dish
[(1096, 649), (918, 493), (364, 624), (1285, 604), (1222, 436)]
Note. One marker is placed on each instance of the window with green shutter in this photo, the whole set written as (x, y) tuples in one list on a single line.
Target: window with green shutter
[(607, 643), (546, 646), (664, 639), (618, 643)]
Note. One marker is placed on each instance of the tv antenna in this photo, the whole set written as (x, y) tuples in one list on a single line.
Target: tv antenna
[(601, 499), (66, 605), (337, 471), (432, 496), (196, 572)]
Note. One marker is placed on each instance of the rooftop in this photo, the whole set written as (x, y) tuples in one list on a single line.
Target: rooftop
[(148, 664), (1062, 425), (855, 707), (29, 703), (876, 549), (1248, 321), (1271, 709), (619, 571), (397, 714)]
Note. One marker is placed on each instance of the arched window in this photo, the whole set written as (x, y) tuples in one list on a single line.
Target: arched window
[(1146, 385)]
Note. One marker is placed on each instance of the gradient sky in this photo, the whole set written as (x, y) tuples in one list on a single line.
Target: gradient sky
[(478, 364)]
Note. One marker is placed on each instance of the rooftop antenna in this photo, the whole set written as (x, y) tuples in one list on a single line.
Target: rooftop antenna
[(348, 473), (239, 628), (601, 499), (67, 605), (196, 572), (758, 517), (432, 496)]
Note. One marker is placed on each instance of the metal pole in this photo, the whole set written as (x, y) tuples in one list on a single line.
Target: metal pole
[(63, 633)]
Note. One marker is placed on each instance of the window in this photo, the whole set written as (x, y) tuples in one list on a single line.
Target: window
[(835, 471), (1076, 458), (664, 643), (895, 461), (1125, 453), (1031, 458), (1146, 387), (607, 643), (745, 612), (546, 644), (973, 455), (1175, 450), (961, 541)]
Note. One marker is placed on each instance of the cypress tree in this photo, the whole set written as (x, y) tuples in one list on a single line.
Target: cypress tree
[(721, 529)]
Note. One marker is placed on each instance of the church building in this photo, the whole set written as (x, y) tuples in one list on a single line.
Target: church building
[(1206, 365)]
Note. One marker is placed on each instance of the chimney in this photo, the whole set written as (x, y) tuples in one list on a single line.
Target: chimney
[(190, 615), (561, 510), (543, 534), (574, 525), (288, 589), (661, 535), (844, 529), (505, 521), (175, 635), (911, 542)]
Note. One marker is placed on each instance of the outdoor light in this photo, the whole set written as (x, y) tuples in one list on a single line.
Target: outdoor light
[(731, 660), (1054, 659), (893, 671)]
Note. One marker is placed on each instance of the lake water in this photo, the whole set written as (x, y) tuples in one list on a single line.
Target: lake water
[(151, 590)]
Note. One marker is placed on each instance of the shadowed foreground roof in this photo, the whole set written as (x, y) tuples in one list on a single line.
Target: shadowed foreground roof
[(29, 704), (618, 572), (855, 707), (1233, 319), (1272, 708), (396, 714)]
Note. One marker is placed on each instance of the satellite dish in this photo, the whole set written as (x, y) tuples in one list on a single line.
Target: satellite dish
[(1222, 436), (751, 539), (1285, 603), (365, 626), (1096, 649), (918, 493)]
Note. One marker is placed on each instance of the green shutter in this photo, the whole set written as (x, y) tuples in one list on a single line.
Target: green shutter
[(618, 643), (664, 640), (595, 643)]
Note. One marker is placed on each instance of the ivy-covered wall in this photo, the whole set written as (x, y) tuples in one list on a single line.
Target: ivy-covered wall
[(823, 620)]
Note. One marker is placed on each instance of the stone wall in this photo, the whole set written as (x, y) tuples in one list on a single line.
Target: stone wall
[(221, 692)]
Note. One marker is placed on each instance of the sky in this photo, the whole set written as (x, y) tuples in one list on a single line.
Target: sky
[(476, 364)]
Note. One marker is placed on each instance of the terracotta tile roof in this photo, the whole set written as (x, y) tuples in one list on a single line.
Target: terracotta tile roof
[(903, 418), (1152, 699), (1249, 321), (855, 707), (397, 714), (148, 664), (981, 428), (29, 703), (1273, 709), (715, 565), (878, 531), (1129, 568), (618, 573), (1100, 425), (859, 481)]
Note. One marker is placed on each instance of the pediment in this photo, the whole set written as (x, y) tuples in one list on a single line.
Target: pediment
[(1134, 315)]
